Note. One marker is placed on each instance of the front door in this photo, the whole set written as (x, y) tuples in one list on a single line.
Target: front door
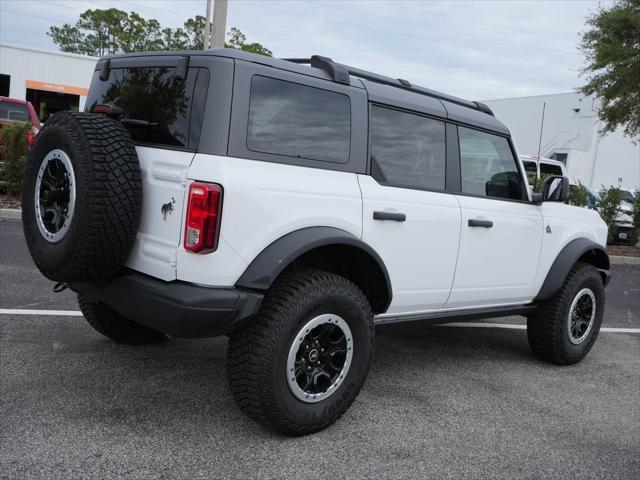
[(501, 235)]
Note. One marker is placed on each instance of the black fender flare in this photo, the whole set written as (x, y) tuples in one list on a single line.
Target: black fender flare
[(565, 261), (265, 268)]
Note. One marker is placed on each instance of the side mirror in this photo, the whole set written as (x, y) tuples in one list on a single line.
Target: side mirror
[(555, 189)]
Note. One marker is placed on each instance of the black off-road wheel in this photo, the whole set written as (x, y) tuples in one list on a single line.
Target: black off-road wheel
[(564, 328), (82, 197), (299, 365), (116, 327)]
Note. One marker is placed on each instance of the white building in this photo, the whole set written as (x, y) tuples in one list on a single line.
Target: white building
[(51, 81), (571, 133)]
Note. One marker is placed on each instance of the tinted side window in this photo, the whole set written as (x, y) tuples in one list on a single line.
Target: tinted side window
[(407, 150), (487, 165), (156, 104), (296, 120)]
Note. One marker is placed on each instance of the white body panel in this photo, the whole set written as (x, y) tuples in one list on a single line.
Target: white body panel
[(566, 223), (262, 202), (434, 259), (497, 266), (420, 253), (164, 179)]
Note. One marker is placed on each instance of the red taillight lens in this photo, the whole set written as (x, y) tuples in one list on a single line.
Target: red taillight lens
[(204, 209), (101, 108), (31, 137)]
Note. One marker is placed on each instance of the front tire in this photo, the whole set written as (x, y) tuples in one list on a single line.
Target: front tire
[(298, 366), (565, 327)]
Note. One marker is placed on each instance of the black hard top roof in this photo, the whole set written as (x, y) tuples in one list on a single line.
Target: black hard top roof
[(381, 89)]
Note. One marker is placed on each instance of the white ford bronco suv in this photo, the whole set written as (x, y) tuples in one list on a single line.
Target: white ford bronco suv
[(294, 205)]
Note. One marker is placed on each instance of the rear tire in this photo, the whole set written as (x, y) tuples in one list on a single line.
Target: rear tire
[(279, 382), (82, 197), (116, 327), (564, 328)]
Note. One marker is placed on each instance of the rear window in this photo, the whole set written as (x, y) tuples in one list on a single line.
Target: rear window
[(546, 169), (296, 120), (13, 112), (159, 108)]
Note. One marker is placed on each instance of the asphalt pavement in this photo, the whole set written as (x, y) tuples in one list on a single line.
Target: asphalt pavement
[(439, 402)]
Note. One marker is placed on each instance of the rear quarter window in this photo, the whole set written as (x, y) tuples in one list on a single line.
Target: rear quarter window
[(159, 107), (299, 121)]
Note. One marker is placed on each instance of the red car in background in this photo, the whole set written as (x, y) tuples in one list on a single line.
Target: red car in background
[(14, 110)]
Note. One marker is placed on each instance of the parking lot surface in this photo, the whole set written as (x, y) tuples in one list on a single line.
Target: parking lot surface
[(439, 402)]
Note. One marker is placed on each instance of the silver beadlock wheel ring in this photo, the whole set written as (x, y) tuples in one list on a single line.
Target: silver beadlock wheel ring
[(55, 195), (581, 316), (319, 358)]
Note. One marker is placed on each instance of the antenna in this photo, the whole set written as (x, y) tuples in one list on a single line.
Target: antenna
[(544, 106)]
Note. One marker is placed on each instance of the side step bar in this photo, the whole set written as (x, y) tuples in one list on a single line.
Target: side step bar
[(435, 318)]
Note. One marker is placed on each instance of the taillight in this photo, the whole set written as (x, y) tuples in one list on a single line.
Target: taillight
[(204, 209), (31, 137)]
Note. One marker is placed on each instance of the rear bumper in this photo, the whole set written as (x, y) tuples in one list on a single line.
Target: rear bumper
[(176, 308)]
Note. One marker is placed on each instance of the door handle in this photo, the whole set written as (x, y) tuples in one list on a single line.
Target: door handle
[(395, 217), (475, 222)]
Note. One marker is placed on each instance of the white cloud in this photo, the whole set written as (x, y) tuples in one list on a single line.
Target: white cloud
[(473, 49)]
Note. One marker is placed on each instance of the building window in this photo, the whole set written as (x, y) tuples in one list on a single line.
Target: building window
[(561, 157), (5, 85)]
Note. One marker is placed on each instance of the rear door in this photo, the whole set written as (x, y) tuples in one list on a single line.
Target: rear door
[(407, 217), (501, 235), (163, 112)]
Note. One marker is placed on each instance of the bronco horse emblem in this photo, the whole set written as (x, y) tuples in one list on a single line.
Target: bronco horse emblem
[(167, 208)]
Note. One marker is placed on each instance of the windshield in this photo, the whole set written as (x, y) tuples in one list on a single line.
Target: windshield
[(14, 112)]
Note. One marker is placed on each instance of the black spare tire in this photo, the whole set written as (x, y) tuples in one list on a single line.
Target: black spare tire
[(82, 197)]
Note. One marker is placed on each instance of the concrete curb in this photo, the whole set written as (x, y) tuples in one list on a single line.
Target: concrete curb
[(10, 213), (620, 260)]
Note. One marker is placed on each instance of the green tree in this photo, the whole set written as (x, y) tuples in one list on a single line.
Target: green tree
[(610, 200), (636, 218), (102, 32), (611, 45), (578, 195), (14, 139), (238, 41)]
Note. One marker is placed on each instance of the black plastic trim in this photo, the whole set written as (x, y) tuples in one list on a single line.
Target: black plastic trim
[(182, 67), (395, 217), (453, 180), (435, 318), (565, 261), (475, 222), (176, 308), (105, 69), (265, 268)]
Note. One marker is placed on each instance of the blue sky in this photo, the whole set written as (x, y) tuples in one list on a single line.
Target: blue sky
[(474, 49)]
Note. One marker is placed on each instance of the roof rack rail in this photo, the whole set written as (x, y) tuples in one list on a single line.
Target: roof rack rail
[(340, 73)]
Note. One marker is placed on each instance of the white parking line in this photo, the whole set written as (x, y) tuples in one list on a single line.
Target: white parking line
[(509, 326), (23, 311)]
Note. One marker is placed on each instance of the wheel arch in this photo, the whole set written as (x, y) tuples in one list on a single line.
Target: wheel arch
[(578, 250), (326, 248)]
